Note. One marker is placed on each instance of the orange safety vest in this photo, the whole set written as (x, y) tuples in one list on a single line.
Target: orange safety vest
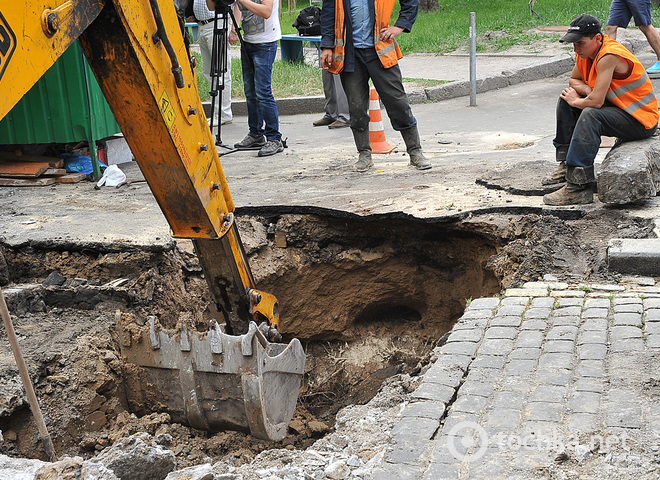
[(634, 94), (388, 52)]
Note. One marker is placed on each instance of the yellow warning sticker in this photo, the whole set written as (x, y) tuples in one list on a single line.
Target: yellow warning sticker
[(167, 109), (7, 44)]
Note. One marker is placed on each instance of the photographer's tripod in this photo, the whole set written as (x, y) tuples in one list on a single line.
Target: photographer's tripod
[(220, 62)]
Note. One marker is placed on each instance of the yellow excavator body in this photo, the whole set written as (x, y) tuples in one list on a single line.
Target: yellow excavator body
[(210, 380)]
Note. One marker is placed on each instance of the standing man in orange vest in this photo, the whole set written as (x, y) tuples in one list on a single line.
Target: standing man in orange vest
[(359, 44), (609, 94)]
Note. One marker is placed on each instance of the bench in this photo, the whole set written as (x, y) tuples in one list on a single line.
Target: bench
[(291, 46)]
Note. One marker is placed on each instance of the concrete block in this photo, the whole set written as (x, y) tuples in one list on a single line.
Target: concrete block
[(630, 172), (634, 256)]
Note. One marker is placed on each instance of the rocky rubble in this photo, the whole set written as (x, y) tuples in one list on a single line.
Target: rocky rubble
[(357, 445)]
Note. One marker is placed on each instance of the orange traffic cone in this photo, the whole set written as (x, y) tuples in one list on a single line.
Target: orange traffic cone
[(376, 132)]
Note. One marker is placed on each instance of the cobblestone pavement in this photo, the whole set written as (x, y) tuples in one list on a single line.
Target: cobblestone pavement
[(548, 381)]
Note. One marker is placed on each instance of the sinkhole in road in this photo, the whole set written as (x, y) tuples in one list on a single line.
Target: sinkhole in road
[(368, 297)]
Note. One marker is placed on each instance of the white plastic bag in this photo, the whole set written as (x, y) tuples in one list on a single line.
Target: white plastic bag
[(112, 177)]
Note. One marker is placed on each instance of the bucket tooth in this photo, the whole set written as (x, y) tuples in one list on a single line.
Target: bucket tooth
[(185, 341), (223, 382)]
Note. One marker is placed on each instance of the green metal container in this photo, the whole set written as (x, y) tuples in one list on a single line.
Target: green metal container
[(65, 105)]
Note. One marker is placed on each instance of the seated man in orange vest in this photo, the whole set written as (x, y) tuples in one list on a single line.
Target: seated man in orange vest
[(609, 94), (359, 43)]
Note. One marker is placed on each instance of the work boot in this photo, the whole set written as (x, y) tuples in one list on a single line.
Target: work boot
[(363, 144), (414, 148), (558, 175), (251, 143), (570, 194)]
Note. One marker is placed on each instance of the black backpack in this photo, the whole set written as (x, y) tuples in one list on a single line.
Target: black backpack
[(309, 21)]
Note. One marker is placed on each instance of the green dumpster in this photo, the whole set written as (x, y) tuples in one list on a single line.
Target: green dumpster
[(65, 105)]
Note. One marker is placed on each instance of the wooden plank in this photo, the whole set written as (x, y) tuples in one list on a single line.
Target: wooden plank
[(26, 182), (23, 169), (70, 178), (54, 172), (12, 157)]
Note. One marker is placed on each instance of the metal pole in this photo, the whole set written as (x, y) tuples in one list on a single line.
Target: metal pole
[(473, 60), (25, 377)]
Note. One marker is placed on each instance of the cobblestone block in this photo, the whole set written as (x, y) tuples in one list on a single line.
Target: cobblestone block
[(501, 332), (488, 361), (424, 409), (507, 301), (533, 313), (449, 361), (562, 332), (597, 303), (460, 348), (570, 302), (503, 418), (607, 287), (436, 471), (599, 324), (518, 368), (589, 385), (529, 339), (623, 410), (433, 392), (505, 400), (526, 292), (554, 376), (652, 328), (549, 393), (591, 368), (595, 313), (525, 353), (582, 422), (556, 360), (480, 388), (508, 321), (585, 402), (624, 332), (627, 345), (543, 302), (535, 324), (651, 303), (623, 319), (469, 404), (544, 412), (568, 293), (653, 341), (592, 336), (559, 346), (476, 315), (568, 320), (484, 303), (461, 419), (567, 311), (629, 308), (627, 297), (467, 335), (511, 310), (470, 323), (444, 376), (496, 347), (592, 351), (491, 465), (652, 315), (411, 437), (548, 285), (388, 471)]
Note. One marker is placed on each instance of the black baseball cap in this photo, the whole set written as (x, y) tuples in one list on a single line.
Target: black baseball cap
[(581, 26)]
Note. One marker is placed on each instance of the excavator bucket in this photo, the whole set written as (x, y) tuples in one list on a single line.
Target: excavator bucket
[(212, 381)]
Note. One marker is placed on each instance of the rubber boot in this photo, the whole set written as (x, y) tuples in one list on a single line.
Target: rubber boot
[(414, 148), (558, 175), (363, 144)]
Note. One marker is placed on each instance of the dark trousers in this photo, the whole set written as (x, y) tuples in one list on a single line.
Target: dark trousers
[(581, 130), (388, 84)]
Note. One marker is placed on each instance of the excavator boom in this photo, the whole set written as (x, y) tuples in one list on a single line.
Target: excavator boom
[(137, 53)]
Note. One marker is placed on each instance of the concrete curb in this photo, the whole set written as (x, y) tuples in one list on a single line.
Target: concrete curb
[(554, 66)]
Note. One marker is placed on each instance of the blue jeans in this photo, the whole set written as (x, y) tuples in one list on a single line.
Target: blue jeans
[(622, 10), (581, 130), (257, 62)]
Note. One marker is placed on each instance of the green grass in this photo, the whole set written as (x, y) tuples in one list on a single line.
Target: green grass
[(500, 24)]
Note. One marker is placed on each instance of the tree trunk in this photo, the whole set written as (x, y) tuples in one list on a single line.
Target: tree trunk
[(432, 5)]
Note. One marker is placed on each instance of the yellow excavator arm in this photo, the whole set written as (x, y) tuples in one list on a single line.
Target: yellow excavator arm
[(137, 53)]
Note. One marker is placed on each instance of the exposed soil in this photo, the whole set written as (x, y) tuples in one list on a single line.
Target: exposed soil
[(368, 298)]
